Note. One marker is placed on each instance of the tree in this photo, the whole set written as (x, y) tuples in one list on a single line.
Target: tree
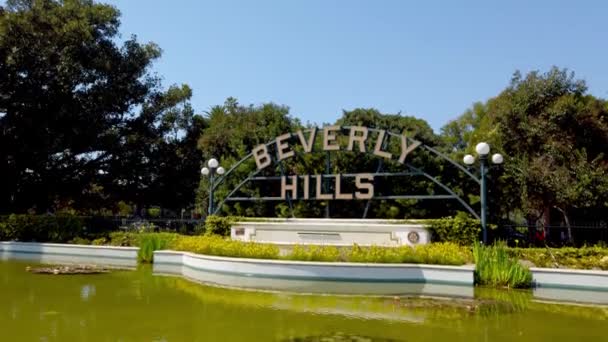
[(156, 161), (554, 136), (412, 127), (233, 131), (65, 86), (84, 124)]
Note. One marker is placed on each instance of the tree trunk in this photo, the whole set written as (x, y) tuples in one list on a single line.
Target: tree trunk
[(567, 220), (546, 221)]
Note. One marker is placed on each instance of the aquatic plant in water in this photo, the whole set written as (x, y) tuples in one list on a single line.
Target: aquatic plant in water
[(494, 267), (148, 244)]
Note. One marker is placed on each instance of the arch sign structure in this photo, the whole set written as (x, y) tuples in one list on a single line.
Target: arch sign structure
[(357, 139)]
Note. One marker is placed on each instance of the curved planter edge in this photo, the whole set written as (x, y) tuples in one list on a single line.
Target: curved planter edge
[(69, 253), (571, 279), (302, 276)]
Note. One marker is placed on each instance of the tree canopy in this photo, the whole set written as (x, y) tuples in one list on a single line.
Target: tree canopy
[(78, 109), (554, 135)]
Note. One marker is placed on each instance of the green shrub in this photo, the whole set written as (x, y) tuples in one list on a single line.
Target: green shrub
[(132, 239), (219, 225), (494, 267), (375, 254), (446, 253), (569, 257), (41, 228), (216, 245), (124, 239), (460, 229), (314, 253), (100, 241), (435, 253), (79, 241)]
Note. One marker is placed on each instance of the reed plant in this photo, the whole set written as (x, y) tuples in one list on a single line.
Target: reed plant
[(148, 243), (494, 267)]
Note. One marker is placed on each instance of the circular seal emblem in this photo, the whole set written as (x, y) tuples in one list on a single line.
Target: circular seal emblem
[(413, 237)]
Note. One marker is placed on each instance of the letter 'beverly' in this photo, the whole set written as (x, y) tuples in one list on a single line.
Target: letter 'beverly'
[(357, 136)]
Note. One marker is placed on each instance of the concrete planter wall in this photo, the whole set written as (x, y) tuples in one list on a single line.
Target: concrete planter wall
[(569, 279), (65, 253), (315, 277), (335, 232)]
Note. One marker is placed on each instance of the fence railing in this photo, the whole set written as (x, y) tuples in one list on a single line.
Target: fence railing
[(184, 226)]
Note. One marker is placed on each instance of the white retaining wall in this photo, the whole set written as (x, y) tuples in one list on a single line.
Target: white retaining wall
[(570, 279), (297, 276), (69, 254)]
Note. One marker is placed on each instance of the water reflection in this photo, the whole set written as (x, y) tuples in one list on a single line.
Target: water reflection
[(571, 296), (87, 291), (70, 259), (140, 306), (316, 287)]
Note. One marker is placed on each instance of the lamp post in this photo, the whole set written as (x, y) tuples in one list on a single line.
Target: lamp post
[(213, 167), (483, 150)]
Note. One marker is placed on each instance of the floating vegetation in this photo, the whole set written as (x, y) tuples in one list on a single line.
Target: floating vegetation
[(68, 269)]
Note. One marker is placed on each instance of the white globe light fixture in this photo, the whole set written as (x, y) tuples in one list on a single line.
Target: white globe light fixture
[(468, 159), (213, 163), (482, 148), (213, 167), (497, 158)]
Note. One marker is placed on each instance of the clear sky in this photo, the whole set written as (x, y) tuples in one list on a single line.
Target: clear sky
[(430, 59)]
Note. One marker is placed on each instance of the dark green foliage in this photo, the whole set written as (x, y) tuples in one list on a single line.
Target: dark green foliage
[(219, 225), (41, 228), (84, 122), (553, 134), (460, 229)]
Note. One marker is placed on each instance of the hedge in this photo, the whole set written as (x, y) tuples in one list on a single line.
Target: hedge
[(566, 257), (219, 225), (435, 253), (41, 228), (460, 229)]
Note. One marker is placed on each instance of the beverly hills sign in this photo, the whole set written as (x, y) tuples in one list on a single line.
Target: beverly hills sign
[(358, 137)]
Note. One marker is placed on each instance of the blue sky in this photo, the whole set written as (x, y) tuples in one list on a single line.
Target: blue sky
[(430, 59)]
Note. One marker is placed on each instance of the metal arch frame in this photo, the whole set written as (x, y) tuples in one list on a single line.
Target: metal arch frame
[(419, 171)]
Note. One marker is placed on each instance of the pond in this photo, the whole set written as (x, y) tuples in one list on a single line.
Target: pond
[(140, 306)]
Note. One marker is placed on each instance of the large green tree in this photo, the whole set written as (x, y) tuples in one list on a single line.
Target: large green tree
[(554, 136), (557, 136), (233, 131), (83, 121)]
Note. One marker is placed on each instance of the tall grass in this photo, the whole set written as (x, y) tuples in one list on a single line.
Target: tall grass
[(494, 267), (150, 243)]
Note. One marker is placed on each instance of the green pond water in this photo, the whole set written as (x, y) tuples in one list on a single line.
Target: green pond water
[(140, 306)]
